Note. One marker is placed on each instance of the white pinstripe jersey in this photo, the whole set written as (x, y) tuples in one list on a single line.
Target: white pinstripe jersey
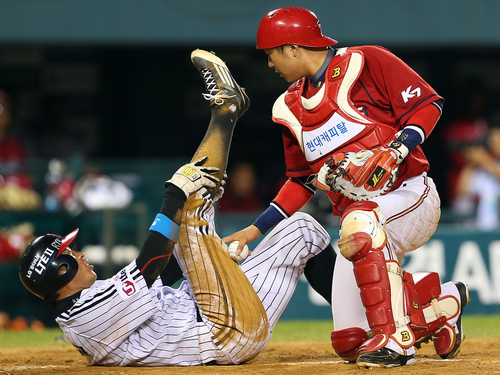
[(120, 322)]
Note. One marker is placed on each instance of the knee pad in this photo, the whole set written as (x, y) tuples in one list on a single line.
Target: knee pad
[(347, 341), (361, 218)]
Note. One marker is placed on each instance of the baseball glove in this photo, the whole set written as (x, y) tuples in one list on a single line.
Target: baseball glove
[(360, 176)]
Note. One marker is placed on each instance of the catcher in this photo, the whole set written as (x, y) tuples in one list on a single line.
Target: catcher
[(354, 118), (217, 315)]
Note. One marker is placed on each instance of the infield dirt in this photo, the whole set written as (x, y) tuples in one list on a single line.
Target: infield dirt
[(477, 356)]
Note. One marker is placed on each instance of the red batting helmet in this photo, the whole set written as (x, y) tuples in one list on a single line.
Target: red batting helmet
[(291, 25)]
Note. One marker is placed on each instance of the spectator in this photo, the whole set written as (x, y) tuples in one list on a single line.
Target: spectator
[(241, 192), (470, 128), (479, 180), (12, 153)]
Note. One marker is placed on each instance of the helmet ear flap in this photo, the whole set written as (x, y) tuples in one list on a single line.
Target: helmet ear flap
[(63, 268)]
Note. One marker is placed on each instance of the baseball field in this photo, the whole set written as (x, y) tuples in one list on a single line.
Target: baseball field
[(297, 347)]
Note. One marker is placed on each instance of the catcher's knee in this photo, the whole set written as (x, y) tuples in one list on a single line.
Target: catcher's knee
[(347, 341), (362, 228)]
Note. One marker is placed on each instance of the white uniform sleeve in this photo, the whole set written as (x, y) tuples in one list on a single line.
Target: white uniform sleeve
[(106, 313)]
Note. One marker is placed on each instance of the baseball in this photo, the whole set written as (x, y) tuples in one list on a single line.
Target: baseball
[(233, 251)]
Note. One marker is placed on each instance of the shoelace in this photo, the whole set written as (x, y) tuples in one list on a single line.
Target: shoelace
[(213, 90)]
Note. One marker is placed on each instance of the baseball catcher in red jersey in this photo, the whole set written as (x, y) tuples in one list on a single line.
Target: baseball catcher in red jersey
[(354, 119)]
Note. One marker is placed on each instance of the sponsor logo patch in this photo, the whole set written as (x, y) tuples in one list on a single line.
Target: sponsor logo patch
[(125, 284), (411, 94), (376, 176), (39, 264)]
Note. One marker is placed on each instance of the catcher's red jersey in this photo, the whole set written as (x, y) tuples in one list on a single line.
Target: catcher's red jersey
[(367, 97)]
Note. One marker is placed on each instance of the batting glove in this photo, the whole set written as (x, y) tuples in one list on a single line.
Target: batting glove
[(220, 191), (192, 176)]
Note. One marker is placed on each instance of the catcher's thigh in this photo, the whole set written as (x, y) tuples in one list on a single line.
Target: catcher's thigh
[(226, 299), (412, 213)]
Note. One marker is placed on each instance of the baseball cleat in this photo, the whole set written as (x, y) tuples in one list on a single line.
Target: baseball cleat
[(454, 332), (423, 340), (384, 357), (219, 83)]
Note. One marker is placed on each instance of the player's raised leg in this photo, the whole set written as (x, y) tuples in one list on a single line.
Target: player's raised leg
[(228, 101), (226, 299)]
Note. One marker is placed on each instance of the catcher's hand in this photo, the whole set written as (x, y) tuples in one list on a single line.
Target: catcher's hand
[(192, 176), (362, 175)]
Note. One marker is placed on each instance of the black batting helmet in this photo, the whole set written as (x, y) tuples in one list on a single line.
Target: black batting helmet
[(39, 269)]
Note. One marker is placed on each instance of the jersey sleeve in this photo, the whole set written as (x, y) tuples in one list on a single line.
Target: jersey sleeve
[(400, 87), (296, 163), (108, 312)]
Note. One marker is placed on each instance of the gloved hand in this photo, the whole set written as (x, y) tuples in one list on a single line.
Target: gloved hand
[(220, 191), (192, 176), (362, 175)]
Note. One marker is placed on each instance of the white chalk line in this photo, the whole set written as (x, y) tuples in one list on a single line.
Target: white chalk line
[(345, 362), (23, 368)]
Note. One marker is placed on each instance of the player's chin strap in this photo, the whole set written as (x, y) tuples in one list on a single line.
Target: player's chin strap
[(395, 308)]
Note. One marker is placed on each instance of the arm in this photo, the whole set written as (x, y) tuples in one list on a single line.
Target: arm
[(479, 156), (293, 195), (163, 233)]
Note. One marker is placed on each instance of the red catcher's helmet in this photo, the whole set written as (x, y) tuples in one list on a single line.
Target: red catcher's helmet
[(291, 25)]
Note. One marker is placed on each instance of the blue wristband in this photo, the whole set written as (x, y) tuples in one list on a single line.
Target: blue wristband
[(268, 219), (411, 137), (166, 227)]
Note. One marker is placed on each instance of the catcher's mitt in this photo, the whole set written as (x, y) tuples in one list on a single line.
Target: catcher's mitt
[(360, 176)]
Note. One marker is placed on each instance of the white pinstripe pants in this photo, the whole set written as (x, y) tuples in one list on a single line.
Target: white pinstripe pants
[(412, 212), (278, 261)]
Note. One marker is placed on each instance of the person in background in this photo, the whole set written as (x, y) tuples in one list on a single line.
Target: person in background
[(479, 179), (12, 152), (470, 128), (241, 192)]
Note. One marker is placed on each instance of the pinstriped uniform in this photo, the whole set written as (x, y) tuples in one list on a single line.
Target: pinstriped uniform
[(279, 260), (154, 326), (227, 301), (120, 322)]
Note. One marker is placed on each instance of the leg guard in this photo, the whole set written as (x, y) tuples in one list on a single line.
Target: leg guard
[(437, 311), (362, 235), (383, 296), (347, 341)]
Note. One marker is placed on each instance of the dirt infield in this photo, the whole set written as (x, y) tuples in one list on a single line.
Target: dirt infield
[(304, 358)]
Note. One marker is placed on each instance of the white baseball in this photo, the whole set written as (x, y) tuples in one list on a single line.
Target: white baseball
[(233, 251)]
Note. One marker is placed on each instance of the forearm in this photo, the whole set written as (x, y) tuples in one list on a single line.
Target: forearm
[(293, 195), (162, 236)]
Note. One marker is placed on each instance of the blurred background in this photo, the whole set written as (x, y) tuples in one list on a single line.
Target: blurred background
[(100, 104)]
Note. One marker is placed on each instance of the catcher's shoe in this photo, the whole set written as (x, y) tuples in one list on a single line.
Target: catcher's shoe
[(463, 290), (219, 83), (384, 357)]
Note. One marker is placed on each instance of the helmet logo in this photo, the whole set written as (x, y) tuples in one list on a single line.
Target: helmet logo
[(39, 263)]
